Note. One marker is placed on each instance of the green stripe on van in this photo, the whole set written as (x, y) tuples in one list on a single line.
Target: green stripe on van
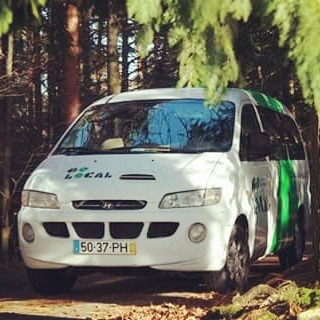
[(287, 204), (266, 101), (287, 191)]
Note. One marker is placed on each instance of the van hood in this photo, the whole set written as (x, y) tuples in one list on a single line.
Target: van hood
[(122, 176)]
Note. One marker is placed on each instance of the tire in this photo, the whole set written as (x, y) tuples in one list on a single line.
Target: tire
[(293, 254), (234, 275), (51, 281)]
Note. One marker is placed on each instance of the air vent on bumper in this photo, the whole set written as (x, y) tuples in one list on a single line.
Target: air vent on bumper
[(125, 230), (56, 229), (162, 229), (91, 230)]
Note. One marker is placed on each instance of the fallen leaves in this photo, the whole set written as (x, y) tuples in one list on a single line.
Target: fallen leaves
[(167, 311)]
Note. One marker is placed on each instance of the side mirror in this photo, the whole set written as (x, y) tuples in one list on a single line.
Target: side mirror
[(259, 146)]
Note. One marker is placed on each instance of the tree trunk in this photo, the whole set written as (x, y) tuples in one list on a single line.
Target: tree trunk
[(114, 82), (311, 135), (5, 221), (126, 30), (55, 48), (101, 59), (71, 66), (37, 80), (86, 87)]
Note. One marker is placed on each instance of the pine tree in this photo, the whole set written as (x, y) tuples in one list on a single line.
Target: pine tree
[(215, 38)]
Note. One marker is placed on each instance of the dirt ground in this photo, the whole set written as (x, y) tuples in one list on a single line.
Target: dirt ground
[(105, 296)]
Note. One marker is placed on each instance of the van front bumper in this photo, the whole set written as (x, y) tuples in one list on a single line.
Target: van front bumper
[(157, 241)]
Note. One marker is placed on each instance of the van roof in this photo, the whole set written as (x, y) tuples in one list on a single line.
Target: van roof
[(230, 94), (164, 94)]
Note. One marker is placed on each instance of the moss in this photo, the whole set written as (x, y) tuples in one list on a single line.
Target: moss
[(266, 303), (224, 312), (260, 315), (257, 293), (302, 296), (236, 312)]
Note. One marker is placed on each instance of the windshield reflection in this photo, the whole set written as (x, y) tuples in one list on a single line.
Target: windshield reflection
[(165, 126)]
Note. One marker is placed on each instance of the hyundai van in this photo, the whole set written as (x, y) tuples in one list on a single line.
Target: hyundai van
[(163, 179)]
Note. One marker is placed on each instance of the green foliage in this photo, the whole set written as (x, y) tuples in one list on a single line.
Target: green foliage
[(151, 10), (8, 9), (34, 7), (204, 30), (206, 33), (6, 17), (299, 25)]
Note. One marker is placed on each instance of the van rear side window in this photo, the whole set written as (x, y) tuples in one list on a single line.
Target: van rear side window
[(285, 136)]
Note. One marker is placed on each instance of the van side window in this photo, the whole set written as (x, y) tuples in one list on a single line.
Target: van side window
[(293, 139), (272, 124), (249, 127), (284, 134)]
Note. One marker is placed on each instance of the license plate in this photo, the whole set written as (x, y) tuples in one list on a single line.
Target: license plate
[(104, 247)]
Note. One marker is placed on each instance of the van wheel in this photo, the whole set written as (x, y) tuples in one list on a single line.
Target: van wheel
[(234, 274), (51, 281), (293, 254)]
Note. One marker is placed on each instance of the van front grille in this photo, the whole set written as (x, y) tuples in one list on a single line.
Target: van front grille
[(125, 230), (109, 204), (115, 230)]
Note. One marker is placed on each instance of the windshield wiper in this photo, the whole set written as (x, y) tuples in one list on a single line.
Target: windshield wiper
[(136, 148), (149, 147), (113, 150), (74, 151)]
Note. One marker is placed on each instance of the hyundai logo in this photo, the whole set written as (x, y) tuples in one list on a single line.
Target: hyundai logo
[(106, 205)]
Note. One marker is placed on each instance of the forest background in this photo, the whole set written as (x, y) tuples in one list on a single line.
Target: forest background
[(57, 56)]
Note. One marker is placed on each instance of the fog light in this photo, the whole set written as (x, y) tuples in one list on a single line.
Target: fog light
[(27, 232), (197, 232)]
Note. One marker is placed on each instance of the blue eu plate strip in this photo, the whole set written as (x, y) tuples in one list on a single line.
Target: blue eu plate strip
[(76, 247)]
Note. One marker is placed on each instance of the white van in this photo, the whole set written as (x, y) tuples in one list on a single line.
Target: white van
[(158, 178)]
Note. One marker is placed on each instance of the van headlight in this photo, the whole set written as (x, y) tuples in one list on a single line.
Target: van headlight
[(193, 198), (38, 199)]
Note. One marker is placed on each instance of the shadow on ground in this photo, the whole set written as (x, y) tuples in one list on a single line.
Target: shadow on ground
[(15, 316)]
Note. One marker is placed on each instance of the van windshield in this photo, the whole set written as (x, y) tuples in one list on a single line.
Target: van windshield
[(186, 125)]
